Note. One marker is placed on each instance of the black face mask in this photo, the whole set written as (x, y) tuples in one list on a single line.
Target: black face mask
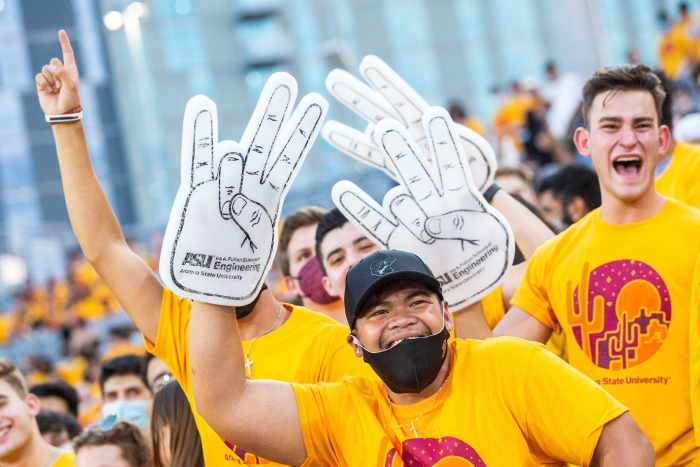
[(412, 364), (245, 310)]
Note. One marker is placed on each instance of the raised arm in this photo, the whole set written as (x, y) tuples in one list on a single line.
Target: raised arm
[(623, 444), (260, 416), (94, 223)]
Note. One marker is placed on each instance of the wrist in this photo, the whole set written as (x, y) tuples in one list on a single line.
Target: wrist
[(71, 115), (491, 192)]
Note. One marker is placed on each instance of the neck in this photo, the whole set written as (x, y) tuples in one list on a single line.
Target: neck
[(430, 390), (36, 453), (616, 211), (262, 317), (335, 310)]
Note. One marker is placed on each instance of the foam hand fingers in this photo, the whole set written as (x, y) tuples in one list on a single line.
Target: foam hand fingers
[(412, 168), (230, 174), (480, 157), (199, 132), (257, 226), (273, 107), (402, 97), (363, 211), (405, 209), (357, 145), (358, 97), (294, 144)]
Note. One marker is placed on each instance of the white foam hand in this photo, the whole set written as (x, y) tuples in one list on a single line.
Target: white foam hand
[(437, 214), (392, 97), (222, 233)]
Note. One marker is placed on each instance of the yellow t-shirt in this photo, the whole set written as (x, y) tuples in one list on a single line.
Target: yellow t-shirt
[(493, 307), (695, 352), (495, 410), (67, 459), (621, 293), (681, 179), (676, 48), (308, 348)]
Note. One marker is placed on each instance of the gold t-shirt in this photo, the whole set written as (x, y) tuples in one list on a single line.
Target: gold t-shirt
[(621, 294), (507, 402), (67, 459), (308, 348), (681, 179)]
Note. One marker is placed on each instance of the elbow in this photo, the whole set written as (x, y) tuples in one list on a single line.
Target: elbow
[(624, 444)]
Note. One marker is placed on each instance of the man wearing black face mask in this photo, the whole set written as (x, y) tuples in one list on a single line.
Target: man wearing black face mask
[(485, 402), (279, 341)]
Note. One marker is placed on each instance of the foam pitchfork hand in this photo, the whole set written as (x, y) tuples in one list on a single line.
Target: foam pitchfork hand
[(222, 234), (437, 214), (391, 97)]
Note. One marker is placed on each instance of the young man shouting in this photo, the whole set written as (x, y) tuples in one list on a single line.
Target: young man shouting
[(618, 282)]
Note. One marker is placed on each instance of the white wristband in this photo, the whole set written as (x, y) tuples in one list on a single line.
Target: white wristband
[(64, 118)]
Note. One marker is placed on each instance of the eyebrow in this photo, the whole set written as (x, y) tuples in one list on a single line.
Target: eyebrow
[(620, 120), (355, 242)]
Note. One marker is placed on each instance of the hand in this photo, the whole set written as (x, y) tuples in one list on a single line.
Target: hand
[(222, 235), (393, 98), (437, 214), (58, 84)]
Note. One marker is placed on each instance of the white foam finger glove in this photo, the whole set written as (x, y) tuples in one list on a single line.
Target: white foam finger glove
[(222, 232), (391, 97), (436, 213)]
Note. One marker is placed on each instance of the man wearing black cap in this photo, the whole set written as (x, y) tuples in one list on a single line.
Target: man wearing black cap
[(488, 403)]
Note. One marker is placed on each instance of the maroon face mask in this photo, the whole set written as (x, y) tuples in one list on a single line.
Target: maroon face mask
[(310, 282)]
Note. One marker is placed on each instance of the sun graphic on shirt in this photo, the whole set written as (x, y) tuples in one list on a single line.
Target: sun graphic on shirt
[(434, 452), (620, 313)]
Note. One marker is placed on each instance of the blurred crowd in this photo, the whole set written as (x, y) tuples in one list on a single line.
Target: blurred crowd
[(531, 130)]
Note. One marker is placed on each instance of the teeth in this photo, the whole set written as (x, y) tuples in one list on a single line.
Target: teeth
[(395, 343), (627, 159), (4, 431)]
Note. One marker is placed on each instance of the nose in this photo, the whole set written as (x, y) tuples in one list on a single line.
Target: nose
[(627, 137), (402, 319)]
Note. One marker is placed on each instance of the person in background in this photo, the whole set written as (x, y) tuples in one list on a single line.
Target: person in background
[(154, 372), (567, 195), (517, 180), (58, 428), (120, 343), (123, 391), (57, 396), (21, 443), (121, 445), (676, 50), (460, 115), (296, 256), (176, 441)]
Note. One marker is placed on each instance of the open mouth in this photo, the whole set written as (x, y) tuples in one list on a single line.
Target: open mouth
[(4, 431), (396, 342), (628, 166)]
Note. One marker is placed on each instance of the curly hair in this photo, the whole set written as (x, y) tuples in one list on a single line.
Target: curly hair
[(126, 436)]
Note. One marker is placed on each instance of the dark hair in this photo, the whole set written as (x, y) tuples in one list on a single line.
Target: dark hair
[(622, 78), (666, 115), (126, 436), (125, 365), (50, 421), (303, 217), (696, 74), (61, 390), (12, 376), (333, 219), (572, 181), (145, 360), (172, 409)]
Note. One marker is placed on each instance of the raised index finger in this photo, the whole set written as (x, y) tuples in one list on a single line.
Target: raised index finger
[(68, 56)]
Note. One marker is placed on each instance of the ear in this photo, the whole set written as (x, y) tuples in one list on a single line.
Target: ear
[(329, 287), (664, 139), (33, 404), (355, 348), (449, 323), (291, 286), (582, 139), (577, 209)]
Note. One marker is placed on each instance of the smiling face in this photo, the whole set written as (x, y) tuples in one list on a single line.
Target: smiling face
[(625, 142), (17, 422), (399, 311), (341, 249)]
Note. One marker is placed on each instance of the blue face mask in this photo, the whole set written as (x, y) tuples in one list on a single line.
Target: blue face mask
[(135, 412)]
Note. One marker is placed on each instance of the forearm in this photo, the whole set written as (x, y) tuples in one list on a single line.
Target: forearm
[(623, 444), (529, 231), (91, 216)]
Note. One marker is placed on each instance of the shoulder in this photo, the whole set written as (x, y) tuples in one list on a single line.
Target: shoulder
[(571, 235), (683, 211), (501, 351), (349, 388), (316, 326)]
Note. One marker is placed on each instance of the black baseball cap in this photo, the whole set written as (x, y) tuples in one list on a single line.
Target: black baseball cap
[(381, 268)]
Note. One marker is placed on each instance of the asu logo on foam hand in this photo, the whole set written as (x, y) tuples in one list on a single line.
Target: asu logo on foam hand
[(620, 313), (429, 452)]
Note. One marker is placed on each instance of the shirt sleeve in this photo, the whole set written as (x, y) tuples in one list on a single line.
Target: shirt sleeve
[(566, 410), (171, 343), (695, 352), (315, 424), (532, 295)]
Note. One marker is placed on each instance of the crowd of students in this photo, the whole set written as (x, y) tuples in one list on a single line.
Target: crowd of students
[(583, 351)]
